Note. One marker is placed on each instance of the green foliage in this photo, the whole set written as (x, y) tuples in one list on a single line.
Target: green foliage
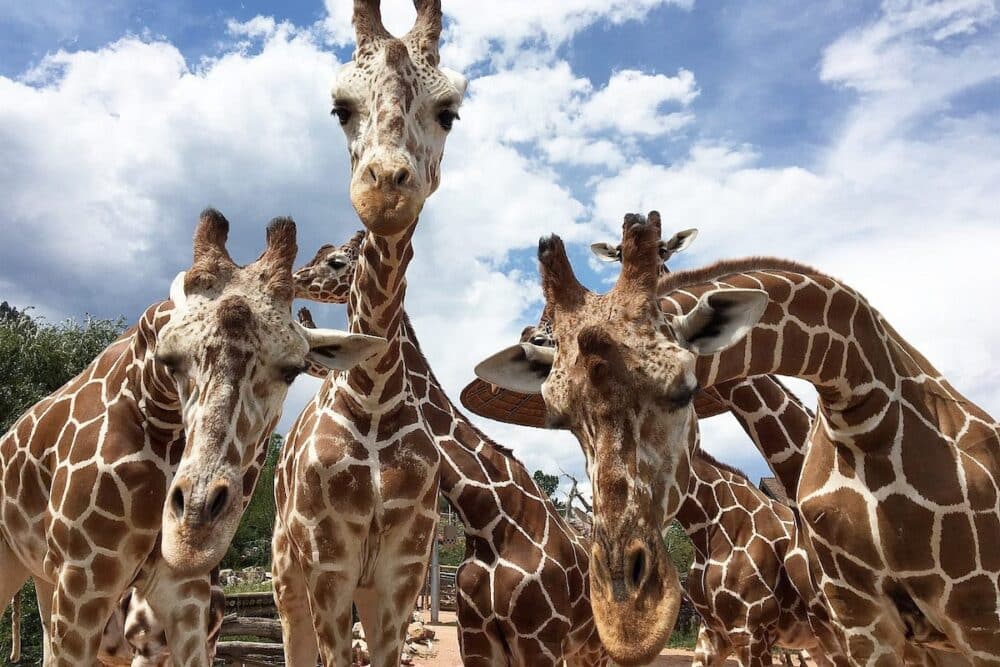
[(36, 359), (549, 484), (684, 637), (252, 543), (679, 548), (454, 553)]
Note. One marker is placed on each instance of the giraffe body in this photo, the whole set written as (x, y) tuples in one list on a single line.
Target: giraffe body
[(523, 593), (750, 579)]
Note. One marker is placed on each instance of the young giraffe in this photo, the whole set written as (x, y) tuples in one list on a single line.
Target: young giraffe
[(134, 635), (100, 474), (899, 463), (356, 487), (751, 579), (523, 595)]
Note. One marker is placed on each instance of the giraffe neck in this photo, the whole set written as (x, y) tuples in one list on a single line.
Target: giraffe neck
[(776, 421), (822, 331), (375, 307), (152, 386), (473, 466)]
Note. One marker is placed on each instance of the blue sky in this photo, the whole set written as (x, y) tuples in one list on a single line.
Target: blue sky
[(857, 136)]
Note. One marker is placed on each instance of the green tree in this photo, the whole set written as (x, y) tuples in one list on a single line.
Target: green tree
[(679, 547), (252, 543), (37, 358), (549, 484)]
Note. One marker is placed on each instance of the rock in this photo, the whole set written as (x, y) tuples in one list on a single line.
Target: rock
[(359, 631), (415, 631), (405, 658), (359, 654), (421, 650)]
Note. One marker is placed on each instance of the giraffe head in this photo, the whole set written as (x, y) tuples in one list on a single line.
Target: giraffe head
[(327, 277), (396, 106), (233, 350), (621, 379)]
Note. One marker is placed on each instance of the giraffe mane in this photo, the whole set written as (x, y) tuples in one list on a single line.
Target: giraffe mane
[(711, 460), (727, 267)]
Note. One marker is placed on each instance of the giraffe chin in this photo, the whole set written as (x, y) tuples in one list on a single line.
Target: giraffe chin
[(635, 629), (193, 550), (386, 213)]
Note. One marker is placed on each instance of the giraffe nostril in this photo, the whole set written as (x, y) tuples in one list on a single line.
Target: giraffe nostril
[(402, 176), (218, 503), (177, 503), (372, 176)]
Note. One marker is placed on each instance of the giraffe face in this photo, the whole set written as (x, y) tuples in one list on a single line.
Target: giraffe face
[(396, 106), (233, 350), (327, 277)]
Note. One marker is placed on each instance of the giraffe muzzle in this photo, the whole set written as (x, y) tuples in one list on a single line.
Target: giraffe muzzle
[(635, 595), (198, 523), (387, 196)]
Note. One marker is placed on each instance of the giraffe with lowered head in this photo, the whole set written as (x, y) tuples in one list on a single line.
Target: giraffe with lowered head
[(898, 491), (148, 456), (357, 484), (750, 580)]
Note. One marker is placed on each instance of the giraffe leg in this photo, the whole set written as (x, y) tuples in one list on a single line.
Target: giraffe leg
[(330, 602), (754, 652), (13, 574), (44, 591), (711, 649), (77, 620), (871, 636), (291, 596), (182, 603), (479, 634), (389, 606)]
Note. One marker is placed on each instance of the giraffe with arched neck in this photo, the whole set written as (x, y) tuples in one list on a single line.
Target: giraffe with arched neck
[(898, 492), (136, 471), (522, 588), (356, 487)]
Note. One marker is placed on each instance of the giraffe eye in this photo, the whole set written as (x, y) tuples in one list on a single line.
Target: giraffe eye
[(446, 118), (342, 112), (336, 264), (289, 373)]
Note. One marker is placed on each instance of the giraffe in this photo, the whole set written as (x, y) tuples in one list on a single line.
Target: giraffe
[(751, 580), (356, 486), (897, 492), (523, 595), (128, 474), (135, 636)]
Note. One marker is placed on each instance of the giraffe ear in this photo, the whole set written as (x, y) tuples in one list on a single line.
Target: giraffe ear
[(676, 243), (177, 294), (606, 252), (720, 319), (339, 350), (522, 368)]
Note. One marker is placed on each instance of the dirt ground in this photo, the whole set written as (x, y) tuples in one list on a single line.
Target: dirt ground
[(448, 655)]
